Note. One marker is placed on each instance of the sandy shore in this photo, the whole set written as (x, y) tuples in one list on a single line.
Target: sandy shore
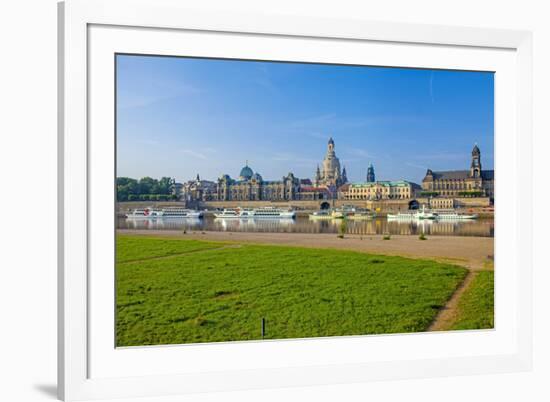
[(470, 252)]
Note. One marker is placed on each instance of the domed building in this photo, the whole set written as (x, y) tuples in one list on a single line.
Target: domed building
[(252, 187), (330, 174), (246, 173)]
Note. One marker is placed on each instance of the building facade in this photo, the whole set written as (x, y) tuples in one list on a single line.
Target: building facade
[(378, 190), (474, 182), (195, 190), (250, 186), (330, 182)]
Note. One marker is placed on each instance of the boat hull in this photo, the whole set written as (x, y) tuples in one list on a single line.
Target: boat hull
[(222, 216)]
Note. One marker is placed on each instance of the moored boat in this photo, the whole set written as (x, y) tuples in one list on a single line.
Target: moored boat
[(143, 213), (413, 215), (438, 215), (177, 212), (322, 214), (256, 213), (168, 212), (452, 215), (361, 215)]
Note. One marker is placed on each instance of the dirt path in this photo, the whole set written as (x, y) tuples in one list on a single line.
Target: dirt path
[(469, 252), (448, 314)]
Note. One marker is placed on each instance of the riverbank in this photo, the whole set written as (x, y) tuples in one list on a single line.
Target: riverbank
[(470, 252), (176, 289)]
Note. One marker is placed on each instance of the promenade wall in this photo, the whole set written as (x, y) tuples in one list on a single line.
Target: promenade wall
[(382, 206)]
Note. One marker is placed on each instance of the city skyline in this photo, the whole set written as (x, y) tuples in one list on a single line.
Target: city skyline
[(180, 117)]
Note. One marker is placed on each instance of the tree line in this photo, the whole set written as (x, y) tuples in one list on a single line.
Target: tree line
[(145, 189)]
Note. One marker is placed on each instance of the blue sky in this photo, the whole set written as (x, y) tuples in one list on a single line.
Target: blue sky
[(181, 116)]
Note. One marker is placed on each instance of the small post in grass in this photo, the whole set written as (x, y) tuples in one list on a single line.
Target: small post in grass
[(263, 327)]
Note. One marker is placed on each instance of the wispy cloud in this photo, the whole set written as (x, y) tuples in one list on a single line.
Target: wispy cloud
[(162, 92), (293, 159), (357, 155), (313, 121), (449, 156), (194, 154), (264, 80), (148, 141), (360, 152), (316, 134), (417, 166)]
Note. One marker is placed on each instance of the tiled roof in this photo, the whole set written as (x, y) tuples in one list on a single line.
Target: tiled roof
[(451, 174), (488, 174), (385, 183), (461, 174)]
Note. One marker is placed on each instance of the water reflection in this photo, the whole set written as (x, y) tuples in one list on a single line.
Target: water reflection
[(378, 226)]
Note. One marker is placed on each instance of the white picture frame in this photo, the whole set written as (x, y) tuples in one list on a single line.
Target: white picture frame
[(92, 31)]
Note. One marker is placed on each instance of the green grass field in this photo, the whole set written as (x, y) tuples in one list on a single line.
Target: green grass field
[(476, 306), (185, 291)]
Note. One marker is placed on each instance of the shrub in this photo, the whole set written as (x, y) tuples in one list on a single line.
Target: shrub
[(342, 229), (386, 237), (422, 236)]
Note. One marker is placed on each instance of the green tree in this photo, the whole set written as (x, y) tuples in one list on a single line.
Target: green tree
[(147, 185), (165, 185), (125, 187)]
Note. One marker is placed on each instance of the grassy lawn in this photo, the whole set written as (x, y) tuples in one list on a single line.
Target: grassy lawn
[(476, 306), (135, 248), (205, 292)]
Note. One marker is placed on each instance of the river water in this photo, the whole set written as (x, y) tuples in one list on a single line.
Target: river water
[(302, 224)]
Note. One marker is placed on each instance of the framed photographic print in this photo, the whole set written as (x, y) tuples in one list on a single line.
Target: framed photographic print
[(260, 201)]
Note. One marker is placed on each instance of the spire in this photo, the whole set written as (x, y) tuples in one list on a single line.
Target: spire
[(198, 178), (370, 174), (475, 167), (344, 175), (330, 148)]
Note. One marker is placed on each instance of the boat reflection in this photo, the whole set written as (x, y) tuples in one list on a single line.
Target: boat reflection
[(302, 224), (162, 223), (252, 225)]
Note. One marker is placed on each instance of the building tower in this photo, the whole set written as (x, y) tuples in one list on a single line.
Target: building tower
[(344, 176), (370, 174), (331, 174), (317, 179), (475, 167)]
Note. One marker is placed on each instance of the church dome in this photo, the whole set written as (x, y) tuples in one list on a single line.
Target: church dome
[(475, 151), (246, 173)]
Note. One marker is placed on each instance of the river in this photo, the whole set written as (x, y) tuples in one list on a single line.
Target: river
[(302, 224)]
